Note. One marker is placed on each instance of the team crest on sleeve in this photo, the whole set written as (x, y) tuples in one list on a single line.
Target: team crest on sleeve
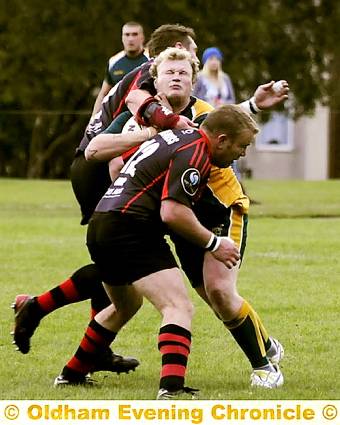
[(190, 181)]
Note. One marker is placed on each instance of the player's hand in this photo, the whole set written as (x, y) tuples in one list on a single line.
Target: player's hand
[(227, 253), (266, 97), (184, 123), (153, 132), (163, 100)]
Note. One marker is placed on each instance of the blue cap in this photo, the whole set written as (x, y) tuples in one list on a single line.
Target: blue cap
[(212, 51)]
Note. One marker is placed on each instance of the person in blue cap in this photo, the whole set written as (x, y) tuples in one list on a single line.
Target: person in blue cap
[(213, 85)]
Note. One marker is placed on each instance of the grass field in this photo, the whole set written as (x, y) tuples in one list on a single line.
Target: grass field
[(291, 275)]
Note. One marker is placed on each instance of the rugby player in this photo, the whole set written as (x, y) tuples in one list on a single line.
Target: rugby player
[(154, 192)]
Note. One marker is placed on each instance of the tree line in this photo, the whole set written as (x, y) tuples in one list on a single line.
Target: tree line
[(53, 57)]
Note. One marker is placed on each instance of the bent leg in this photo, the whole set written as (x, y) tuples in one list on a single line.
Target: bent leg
[(237, 314), (167, 292)]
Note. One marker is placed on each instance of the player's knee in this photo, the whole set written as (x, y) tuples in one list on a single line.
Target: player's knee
[(219, 298)]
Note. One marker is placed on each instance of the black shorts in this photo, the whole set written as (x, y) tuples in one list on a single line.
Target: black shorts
[(191, 256), (90, 180), (125, 249)]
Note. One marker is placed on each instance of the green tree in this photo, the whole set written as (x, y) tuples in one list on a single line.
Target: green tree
[(53, 56)]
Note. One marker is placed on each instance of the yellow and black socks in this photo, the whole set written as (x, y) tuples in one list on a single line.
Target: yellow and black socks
[(250, 334)]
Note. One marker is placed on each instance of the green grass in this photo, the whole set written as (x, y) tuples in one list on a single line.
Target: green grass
[(290, 274)]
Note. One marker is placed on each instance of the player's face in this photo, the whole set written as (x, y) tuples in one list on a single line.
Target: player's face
[(174, 80), (133, 39), (230, 150)]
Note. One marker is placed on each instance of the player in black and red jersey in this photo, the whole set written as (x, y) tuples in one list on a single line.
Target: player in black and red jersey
[(90, 181), (155, 192), (223, 209)]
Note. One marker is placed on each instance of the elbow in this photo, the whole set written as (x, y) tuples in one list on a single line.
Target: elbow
[(88, 153), (168, 213)]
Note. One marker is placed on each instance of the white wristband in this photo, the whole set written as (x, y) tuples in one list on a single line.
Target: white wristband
[(210, 242), (252, 106), (214, 243), (217, 244)]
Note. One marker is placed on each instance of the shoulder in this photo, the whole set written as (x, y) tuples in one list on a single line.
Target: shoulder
[(226, 76), (115, 58), (201, 108)]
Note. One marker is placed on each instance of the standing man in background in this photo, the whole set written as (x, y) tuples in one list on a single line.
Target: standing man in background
[(123, 62)]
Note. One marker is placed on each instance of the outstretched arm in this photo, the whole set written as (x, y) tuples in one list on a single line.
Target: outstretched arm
[(271, 94), (106, 146), (266, 96)]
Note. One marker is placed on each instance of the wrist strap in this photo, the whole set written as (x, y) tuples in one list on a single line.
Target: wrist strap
[(156, 115), (214, 243), (252, 106), (140, 113)]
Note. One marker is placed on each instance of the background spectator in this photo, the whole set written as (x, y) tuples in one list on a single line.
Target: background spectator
[(213, 85), (125, 61)]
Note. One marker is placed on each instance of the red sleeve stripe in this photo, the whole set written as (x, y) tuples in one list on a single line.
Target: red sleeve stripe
[(165, 191), (206, 167), (189, 145), (201, 146), (196, 150), (196, 160), (141, 193), (132, 86)]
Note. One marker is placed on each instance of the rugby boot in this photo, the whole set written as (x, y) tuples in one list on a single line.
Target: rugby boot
[(69, 377), (112, 362), (277, 349), (184, 393), (266, 378), (26, 320)]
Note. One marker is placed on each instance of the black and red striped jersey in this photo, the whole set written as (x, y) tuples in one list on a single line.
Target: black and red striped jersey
[(114, 102), (173, 165)]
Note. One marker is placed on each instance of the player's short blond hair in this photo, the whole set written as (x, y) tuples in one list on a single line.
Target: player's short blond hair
[(229, 119), (173, 53)]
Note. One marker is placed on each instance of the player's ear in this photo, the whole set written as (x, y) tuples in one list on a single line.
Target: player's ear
[(179, 45), (222, 139)]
